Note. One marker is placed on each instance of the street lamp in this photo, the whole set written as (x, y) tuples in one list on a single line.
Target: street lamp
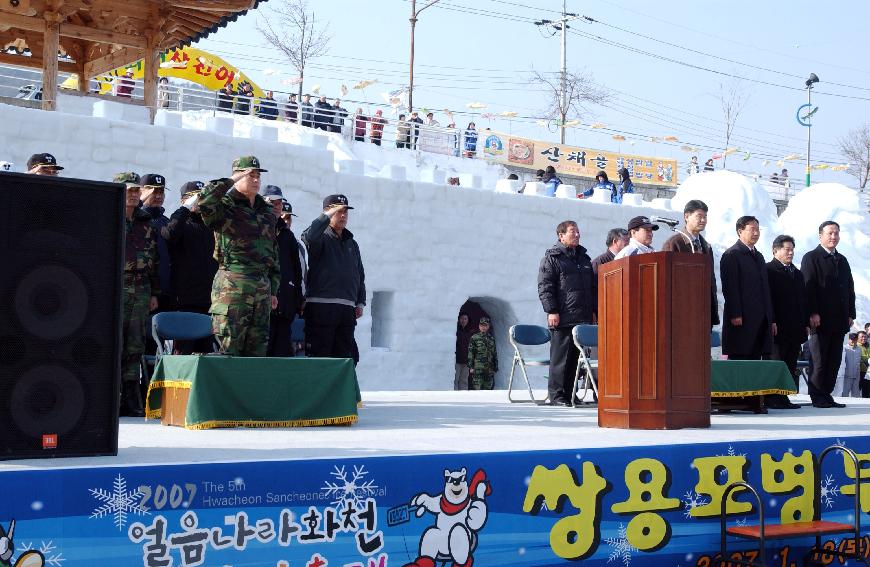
[(813, 79)]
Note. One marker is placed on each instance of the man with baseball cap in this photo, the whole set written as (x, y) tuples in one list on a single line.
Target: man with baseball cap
[(641, 231), (336, 293), (43, 164), (141, 287), (246, 283), (290, 289), (191, 249), (153, 196)]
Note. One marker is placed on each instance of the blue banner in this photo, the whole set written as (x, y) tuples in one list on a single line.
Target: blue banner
[(621, 506)]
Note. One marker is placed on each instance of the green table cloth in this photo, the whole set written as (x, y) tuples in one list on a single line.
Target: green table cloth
[(736, 378), (227, 391)]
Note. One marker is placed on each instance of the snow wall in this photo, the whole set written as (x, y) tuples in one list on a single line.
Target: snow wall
[(427, 247)]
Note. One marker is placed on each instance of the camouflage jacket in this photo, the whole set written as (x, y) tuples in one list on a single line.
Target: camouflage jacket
[(244, 235), (141, 258), (482, 356)]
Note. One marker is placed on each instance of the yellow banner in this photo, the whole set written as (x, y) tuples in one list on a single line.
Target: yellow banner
[(188, 63), (571, 160)]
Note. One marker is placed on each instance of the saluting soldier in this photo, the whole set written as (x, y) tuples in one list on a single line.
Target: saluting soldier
[(246, 283), (141, 287)]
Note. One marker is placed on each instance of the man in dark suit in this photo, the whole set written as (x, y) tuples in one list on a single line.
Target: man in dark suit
[(690, 240), (831, 305), (749, 325), (617, 239), (788, 296)]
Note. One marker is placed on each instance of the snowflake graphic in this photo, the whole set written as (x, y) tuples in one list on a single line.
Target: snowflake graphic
[(723, 472), (828, 491), (621, 548), (118, 502), (49, 551), (348, 485), (691, 501)]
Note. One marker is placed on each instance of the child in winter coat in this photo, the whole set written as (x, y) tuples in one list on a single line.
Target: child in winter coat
[(851, 366), (482, 358)]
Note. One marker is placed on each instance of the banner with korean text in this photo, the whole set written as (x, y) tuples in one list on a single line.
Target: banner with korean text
[(633, 506), (571, 160)]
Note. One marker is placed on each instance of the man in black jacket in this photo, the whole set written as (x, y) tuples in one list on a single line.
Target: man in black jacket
[(748, 323), (569, 295), (153, 196), (788, 297), (290, 289), (191, 248), (831, 305), (336, 291)]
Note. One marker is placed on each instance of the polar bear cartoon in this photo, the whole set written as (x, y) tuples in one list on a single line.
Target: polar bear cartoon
[(460, 512)]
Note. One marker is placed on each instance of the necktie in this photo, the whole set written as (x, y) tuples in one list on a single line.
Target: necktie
[(696, 242), (790, 269)]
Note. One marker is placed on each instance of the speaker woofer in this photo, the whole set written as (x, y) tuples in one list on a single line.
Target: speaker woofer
[(47, 399), (51, 302)]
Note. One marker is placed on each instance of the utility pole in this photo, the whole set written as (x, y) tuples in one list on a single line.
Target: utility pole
[(562, 25), (414, 14)]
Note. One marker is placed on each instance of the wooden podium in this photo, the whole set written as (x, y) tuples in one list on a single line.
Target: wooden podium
[(654, 341)]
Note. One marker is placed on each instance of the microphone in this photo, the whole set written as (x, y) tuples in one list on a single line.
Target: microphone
[(664, 220)]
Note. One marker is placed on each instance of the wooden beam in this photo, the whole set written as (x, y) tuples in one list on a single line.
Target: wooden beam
[(112, 60), (34, 62), (49, 61), (151, 69), (31, 23), (102, 36)]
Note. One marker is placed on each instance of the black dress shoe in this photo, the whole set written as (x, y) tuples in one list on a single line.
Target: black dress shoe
[(559, 402), (831, 404), (790, 405)]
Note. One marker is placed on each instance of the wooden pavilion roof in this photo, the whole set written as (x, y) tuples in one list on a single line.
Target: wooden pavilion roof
[(97, 36)]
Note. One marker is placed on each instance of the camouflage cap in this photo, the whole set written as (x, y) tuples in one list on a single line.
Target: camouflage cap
[(153, 180), (247, 162), (483, 321), (128, 178)]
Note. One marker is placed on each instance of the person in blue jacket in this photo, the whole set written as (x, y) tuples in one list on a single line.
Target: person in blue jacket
[(625, 186), (470, 140), (601, 183), (551, 181)]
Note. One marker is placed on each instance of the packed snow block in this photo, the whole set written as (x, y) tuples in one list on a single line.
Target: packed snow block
[(316, 141), (351, 167), (395, 172), (71, 104), (135, 113), (632, 200), (534, 188), (264, 132), (566, 191), (222, 125), (508, 186), (109, 109), (437, 176), (600, 196), (168, 119), (661, 204)]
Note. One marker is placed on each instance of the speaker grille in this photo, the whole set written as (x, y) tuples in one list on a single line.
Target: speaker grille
[(61, 241)]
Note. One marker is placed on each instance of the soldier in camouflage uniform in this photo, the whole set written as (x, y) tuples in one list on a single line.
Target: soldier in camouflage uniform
[(244, 290), (141, 287), (482, 358)]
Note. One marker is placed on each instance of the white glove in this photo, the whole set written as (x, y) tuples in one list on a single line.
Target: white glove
[(190, 202)]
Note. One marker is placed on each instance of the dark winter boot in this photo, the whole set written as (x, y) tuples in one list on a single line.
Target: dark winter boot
[(131, 402)]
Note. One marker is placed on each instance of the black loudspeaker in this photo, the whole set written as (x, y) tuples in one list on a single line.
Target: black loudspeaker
[(61, 282)]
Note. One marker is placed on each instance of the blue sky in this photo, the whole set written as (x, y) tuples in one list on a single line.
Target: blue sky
[(484, 50)]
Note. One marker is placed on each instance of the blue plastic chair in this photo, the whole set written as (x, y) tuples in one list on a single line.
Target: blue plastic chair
[(585, 338), (179, 325), (526, 335)]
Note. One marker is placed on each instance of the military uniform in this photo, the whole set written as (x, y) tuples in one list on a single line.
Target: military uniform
[(482, 360), (247, 275), (141, 261)]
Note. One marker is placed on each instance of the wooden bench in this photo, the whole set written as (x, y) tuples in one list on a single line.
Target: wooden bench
[(775, 531)]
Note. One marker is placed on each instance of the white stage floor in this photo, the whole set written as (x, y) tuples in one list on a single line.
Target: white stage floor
[(419, 422)]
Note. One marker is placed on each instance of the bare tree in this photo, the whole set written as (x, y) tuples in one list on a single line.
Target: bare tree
[(855, 146), (581, 91), (733, 97), (289, 27)]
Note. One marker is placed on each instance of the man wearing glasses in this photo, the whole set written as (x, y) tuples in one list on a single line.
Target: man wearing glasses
[(43, 164), (246, 283)]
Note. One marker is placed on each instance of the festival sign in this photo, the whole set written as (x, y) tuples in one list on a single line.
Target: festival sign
[(626, 506), (570, 160), (187, 63)]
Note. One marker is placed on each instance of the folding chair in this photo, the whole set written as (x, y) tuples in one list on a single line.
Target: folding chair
[(172, 326), (526, 335), (585, 338)]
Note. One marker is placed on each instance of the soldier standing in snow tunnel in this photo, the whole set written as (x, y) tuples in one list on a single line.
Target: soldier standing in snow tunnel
[(245, 286)]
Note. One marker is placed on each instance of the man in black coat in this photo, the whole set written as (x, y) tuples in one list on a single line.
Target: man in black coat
[(748, 314), (788, 297), (289, 294), (617, 239), (568, 291), (831, 305), (191, 249)]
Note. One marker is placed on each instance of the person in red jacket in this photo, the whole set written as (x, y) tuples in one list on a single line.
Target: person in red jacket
[(377, 128), (360, 121)]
